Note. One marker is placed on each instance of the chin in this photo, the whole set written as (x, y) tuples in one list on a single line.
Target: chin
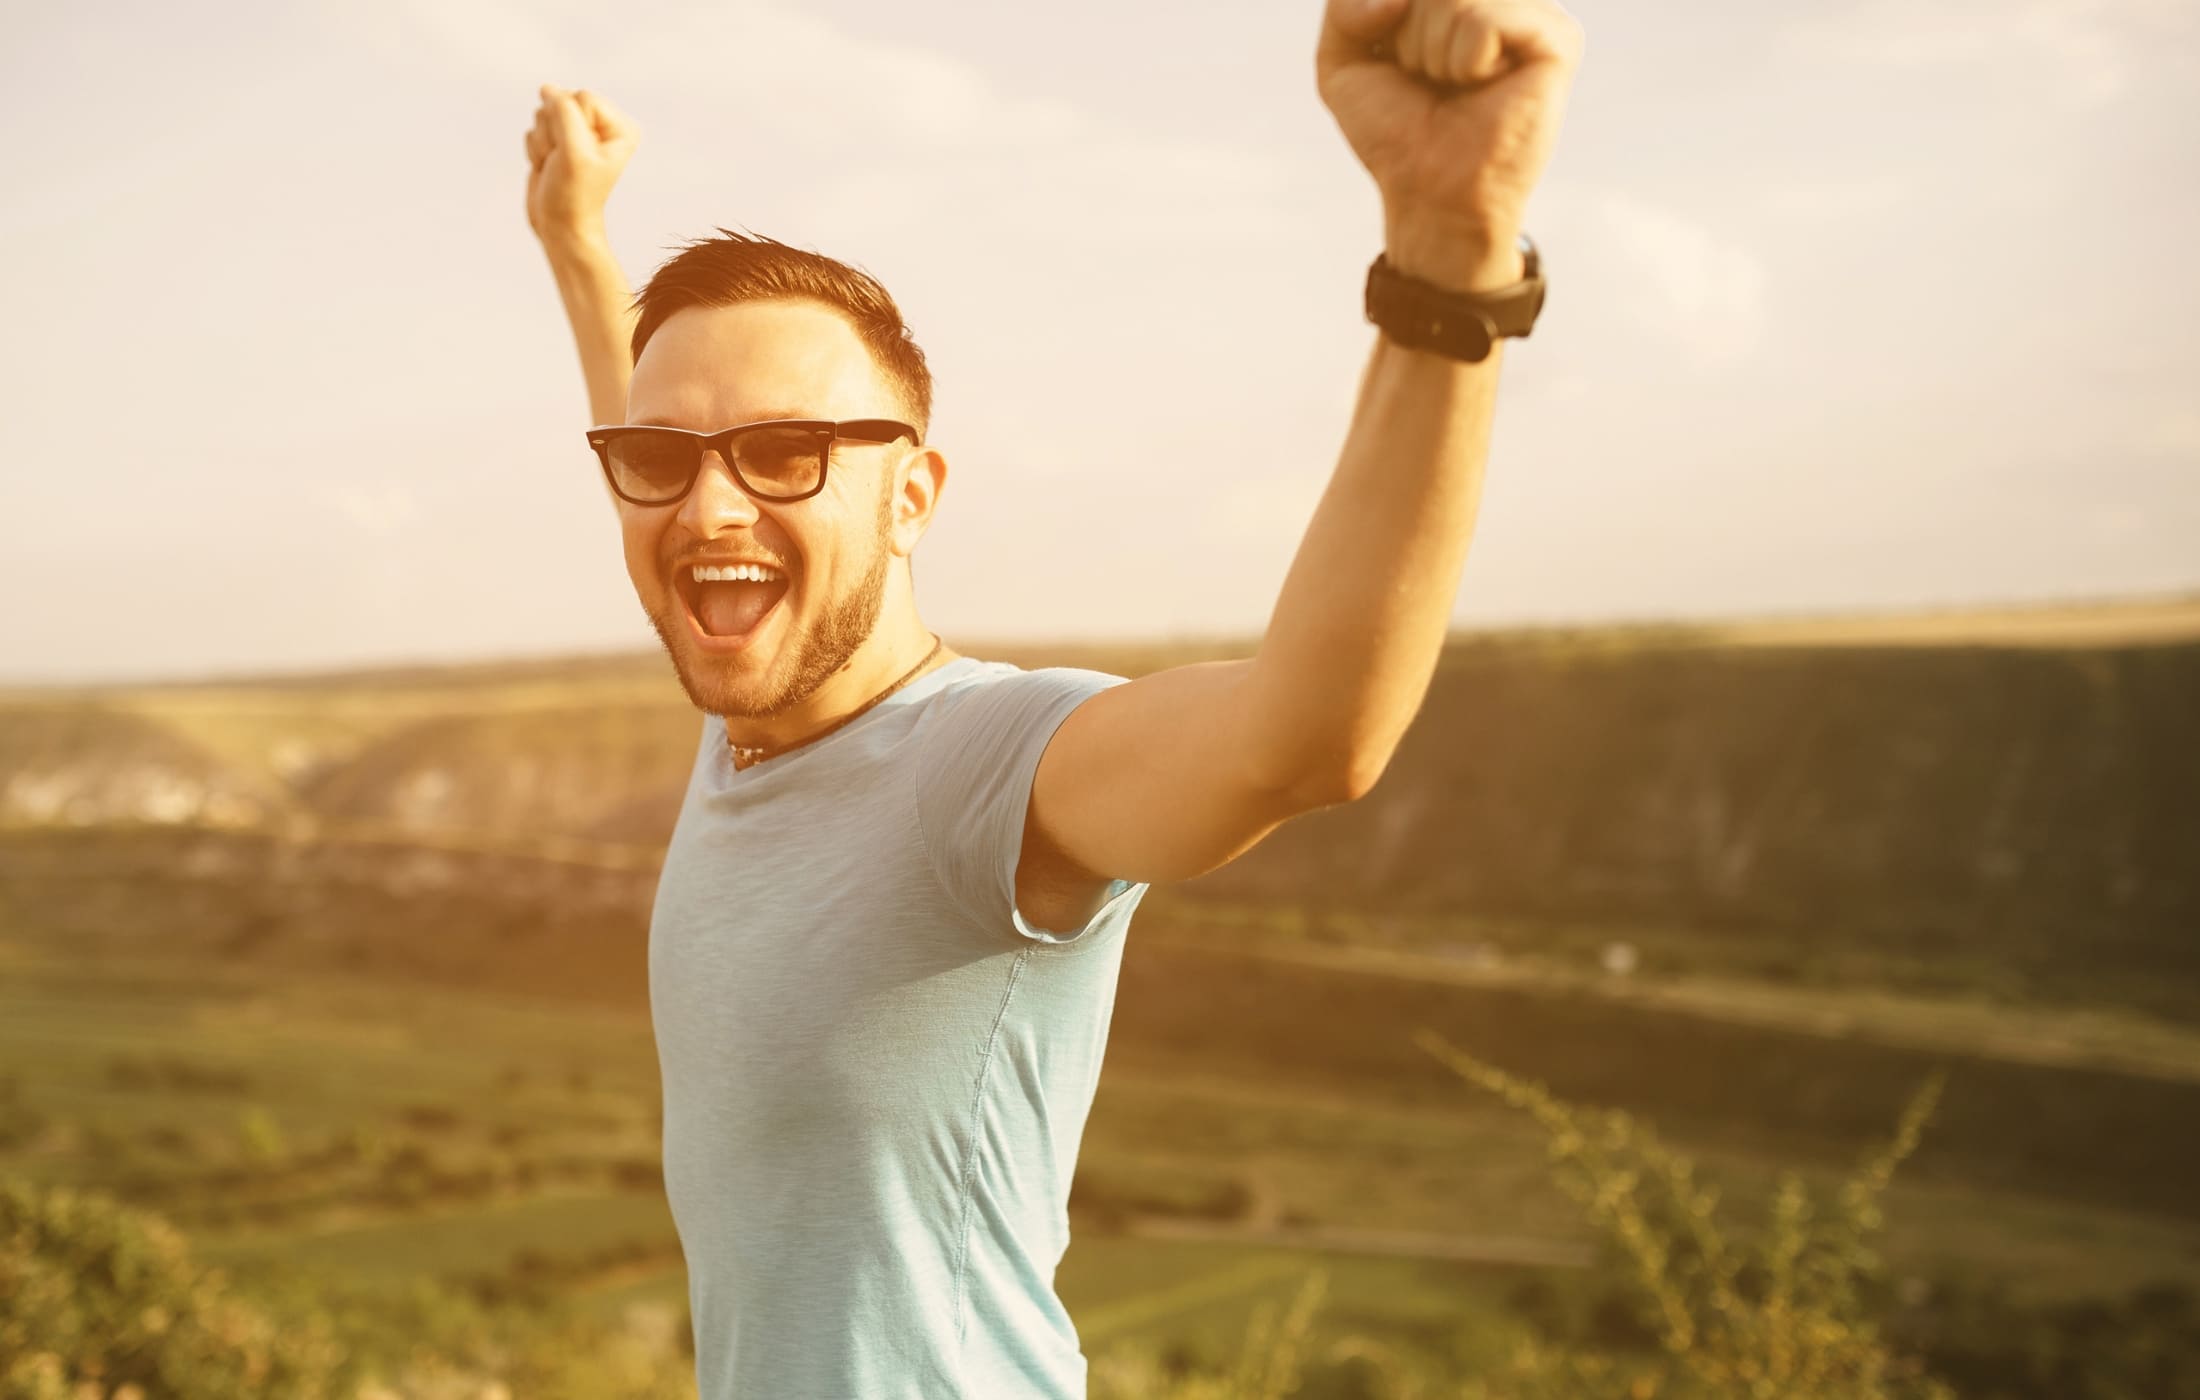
[(737, 686)]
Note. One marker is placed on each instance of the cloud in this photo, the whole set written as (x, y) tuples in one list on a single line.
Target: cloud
[(2075, 54), (801, 77), (375, 508), (1814, 201), (2116, 520), (2174, 431), (895, 130), (1703, 291), (1270, 507), (878, 128), (499, 40)]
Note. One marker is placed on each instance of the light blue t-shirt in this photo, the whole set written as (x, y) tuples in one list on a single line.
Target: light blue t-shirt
[(876, 1071)]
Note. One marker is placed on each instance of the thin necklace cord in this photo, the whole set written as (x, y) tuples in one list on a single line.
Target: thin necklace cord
[(745, 756)]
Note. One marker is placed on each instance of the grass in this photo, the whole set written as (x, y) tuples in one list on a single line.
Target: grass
[(323, 1054), (454, 1074), (464, 1239), (1475, 952)]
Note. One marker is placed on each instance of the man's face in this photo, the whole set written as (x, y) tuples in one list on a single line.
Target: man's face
[(708, 368)]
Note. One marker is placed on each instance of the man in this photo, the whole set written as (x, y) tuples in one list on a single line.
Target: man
[(884, 951)]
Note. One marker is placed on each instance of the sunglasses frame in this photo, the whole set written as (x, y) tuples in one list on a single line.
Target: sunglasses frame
[(868, 430)]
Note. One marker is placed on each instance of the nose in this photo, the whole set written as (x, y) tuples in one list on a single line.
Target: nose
[(716, 503)]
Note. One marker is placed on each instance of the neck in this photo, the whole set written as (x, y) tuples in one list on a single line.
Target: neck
[(889, 655)]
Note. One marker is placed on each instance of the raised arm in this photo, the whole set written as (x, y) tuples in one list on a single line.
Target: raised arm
[(1453, 106), (575, 151)]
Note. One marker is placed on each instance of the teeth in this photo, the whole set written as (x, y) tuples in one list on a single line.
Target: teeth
[(735, 573)]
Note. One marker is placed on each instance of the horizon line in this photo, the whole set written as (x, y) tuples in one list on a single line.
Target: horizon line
[(1746, 628)]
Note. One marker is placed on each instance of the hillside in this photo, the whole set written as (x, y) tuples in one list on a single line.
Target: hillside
[(2037, 802), (1803, 799)]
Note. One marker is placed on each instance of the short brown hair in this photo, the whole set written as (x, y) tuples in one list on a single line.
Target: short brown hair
[(738, 267)]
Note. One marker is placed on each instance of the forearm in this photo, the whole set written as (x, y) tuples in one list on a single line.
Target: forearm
[(1363, 614), (597, 304)]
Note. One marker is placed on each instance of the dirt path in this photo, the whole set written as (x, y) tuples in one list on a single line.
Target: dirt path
[(2119, 1041), (1341, 1239)]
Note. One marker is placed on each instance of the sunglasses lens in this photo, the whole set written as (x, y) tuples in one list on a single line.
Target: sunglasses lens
[(782, 461), (652, 466), (774, 462)]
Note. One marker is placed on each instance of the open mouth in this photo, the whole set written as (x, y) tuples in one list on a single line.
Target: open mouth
[(728, 613)]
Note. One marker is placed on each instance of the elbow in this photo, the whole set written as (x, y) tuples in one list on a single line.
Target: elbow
[(1334, 784), (1301, 771), (1361, 777)]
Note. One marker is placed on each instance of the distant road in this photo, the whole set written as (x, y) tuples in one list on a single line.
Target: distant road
[(2059, 1037), (1336, 1239)]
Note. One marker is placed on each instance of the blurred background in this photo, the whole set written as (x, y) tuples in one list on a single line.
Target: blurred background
[(1813, 779)]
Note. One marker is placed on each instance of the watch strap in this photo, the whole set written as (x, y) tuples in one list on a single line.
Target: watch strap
[(1462, 325)]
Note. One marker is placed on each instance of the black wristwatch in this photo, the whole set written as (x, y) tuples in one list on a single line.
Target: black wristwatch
[(1463, 325)]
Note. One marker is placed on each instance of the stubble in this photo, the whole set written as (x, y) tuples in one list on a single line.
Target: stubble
[(821, 654)]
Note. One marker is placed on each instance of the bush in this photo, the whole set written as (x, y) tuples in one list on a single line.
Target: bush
[(429, 1117), (96, 1298), (101, 1301), (19, 1124), (1695, 1310), (1993, 1348), (1784, 1312), (262, 1136), (1269, 1367)]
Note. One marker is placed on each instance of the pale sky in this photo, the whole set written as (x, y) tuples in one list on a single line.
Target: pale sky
[(1855, 305)]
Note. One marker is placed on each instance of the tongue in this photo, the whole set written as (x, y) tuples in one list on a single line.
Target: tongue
[(729, 609)]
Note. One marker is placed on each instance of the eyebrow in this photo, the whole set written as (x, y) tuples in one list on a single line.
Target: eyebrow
[(764, 417)]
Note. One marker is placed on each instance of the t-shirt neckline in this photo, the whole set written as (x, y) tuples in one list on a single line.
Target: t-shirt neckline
[(916, 690)]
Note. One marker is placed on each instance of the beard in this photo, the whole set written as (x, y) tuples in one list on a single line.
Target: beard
[(819, 655)]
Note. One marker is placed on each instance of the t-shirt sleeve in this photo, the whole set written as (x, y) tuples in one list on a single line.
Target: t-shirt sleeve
[(979, 754)]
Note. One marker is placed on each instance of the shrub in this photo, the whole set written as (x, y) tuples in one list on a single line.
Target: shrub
[(1780, 1313), (1270, 1366), (1694, 1311), (97, 1299), (429, 1117), (262, 1136)]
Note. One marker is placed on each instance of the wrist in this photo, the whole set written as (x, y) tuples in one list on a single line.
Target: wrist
[(573, 244), (1458, 255)]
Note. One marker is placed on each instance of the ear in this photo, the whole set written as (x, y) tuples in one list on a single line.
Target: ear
[(918, 482)]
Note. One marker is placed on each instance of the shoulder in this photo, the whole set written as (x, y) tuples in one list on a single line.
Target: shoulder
[(997, 704), (994, 722), (1003, 684)]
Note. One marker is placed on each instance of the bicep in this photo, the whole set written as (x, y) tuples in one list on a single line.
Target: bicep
[(1156, 779)]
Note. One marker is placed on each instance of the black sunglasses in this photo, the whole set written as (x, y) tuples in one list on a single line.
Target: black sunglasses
[(779, 459)]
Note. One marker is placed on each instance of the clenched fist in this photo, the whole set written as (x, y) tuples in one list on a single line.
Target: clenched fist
[(1453, 106), (575, 151)]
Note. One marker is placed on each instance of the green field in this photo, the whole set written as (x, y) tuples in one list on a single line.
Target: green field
[(317, 1123), (344, 977), (478, 1130)]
